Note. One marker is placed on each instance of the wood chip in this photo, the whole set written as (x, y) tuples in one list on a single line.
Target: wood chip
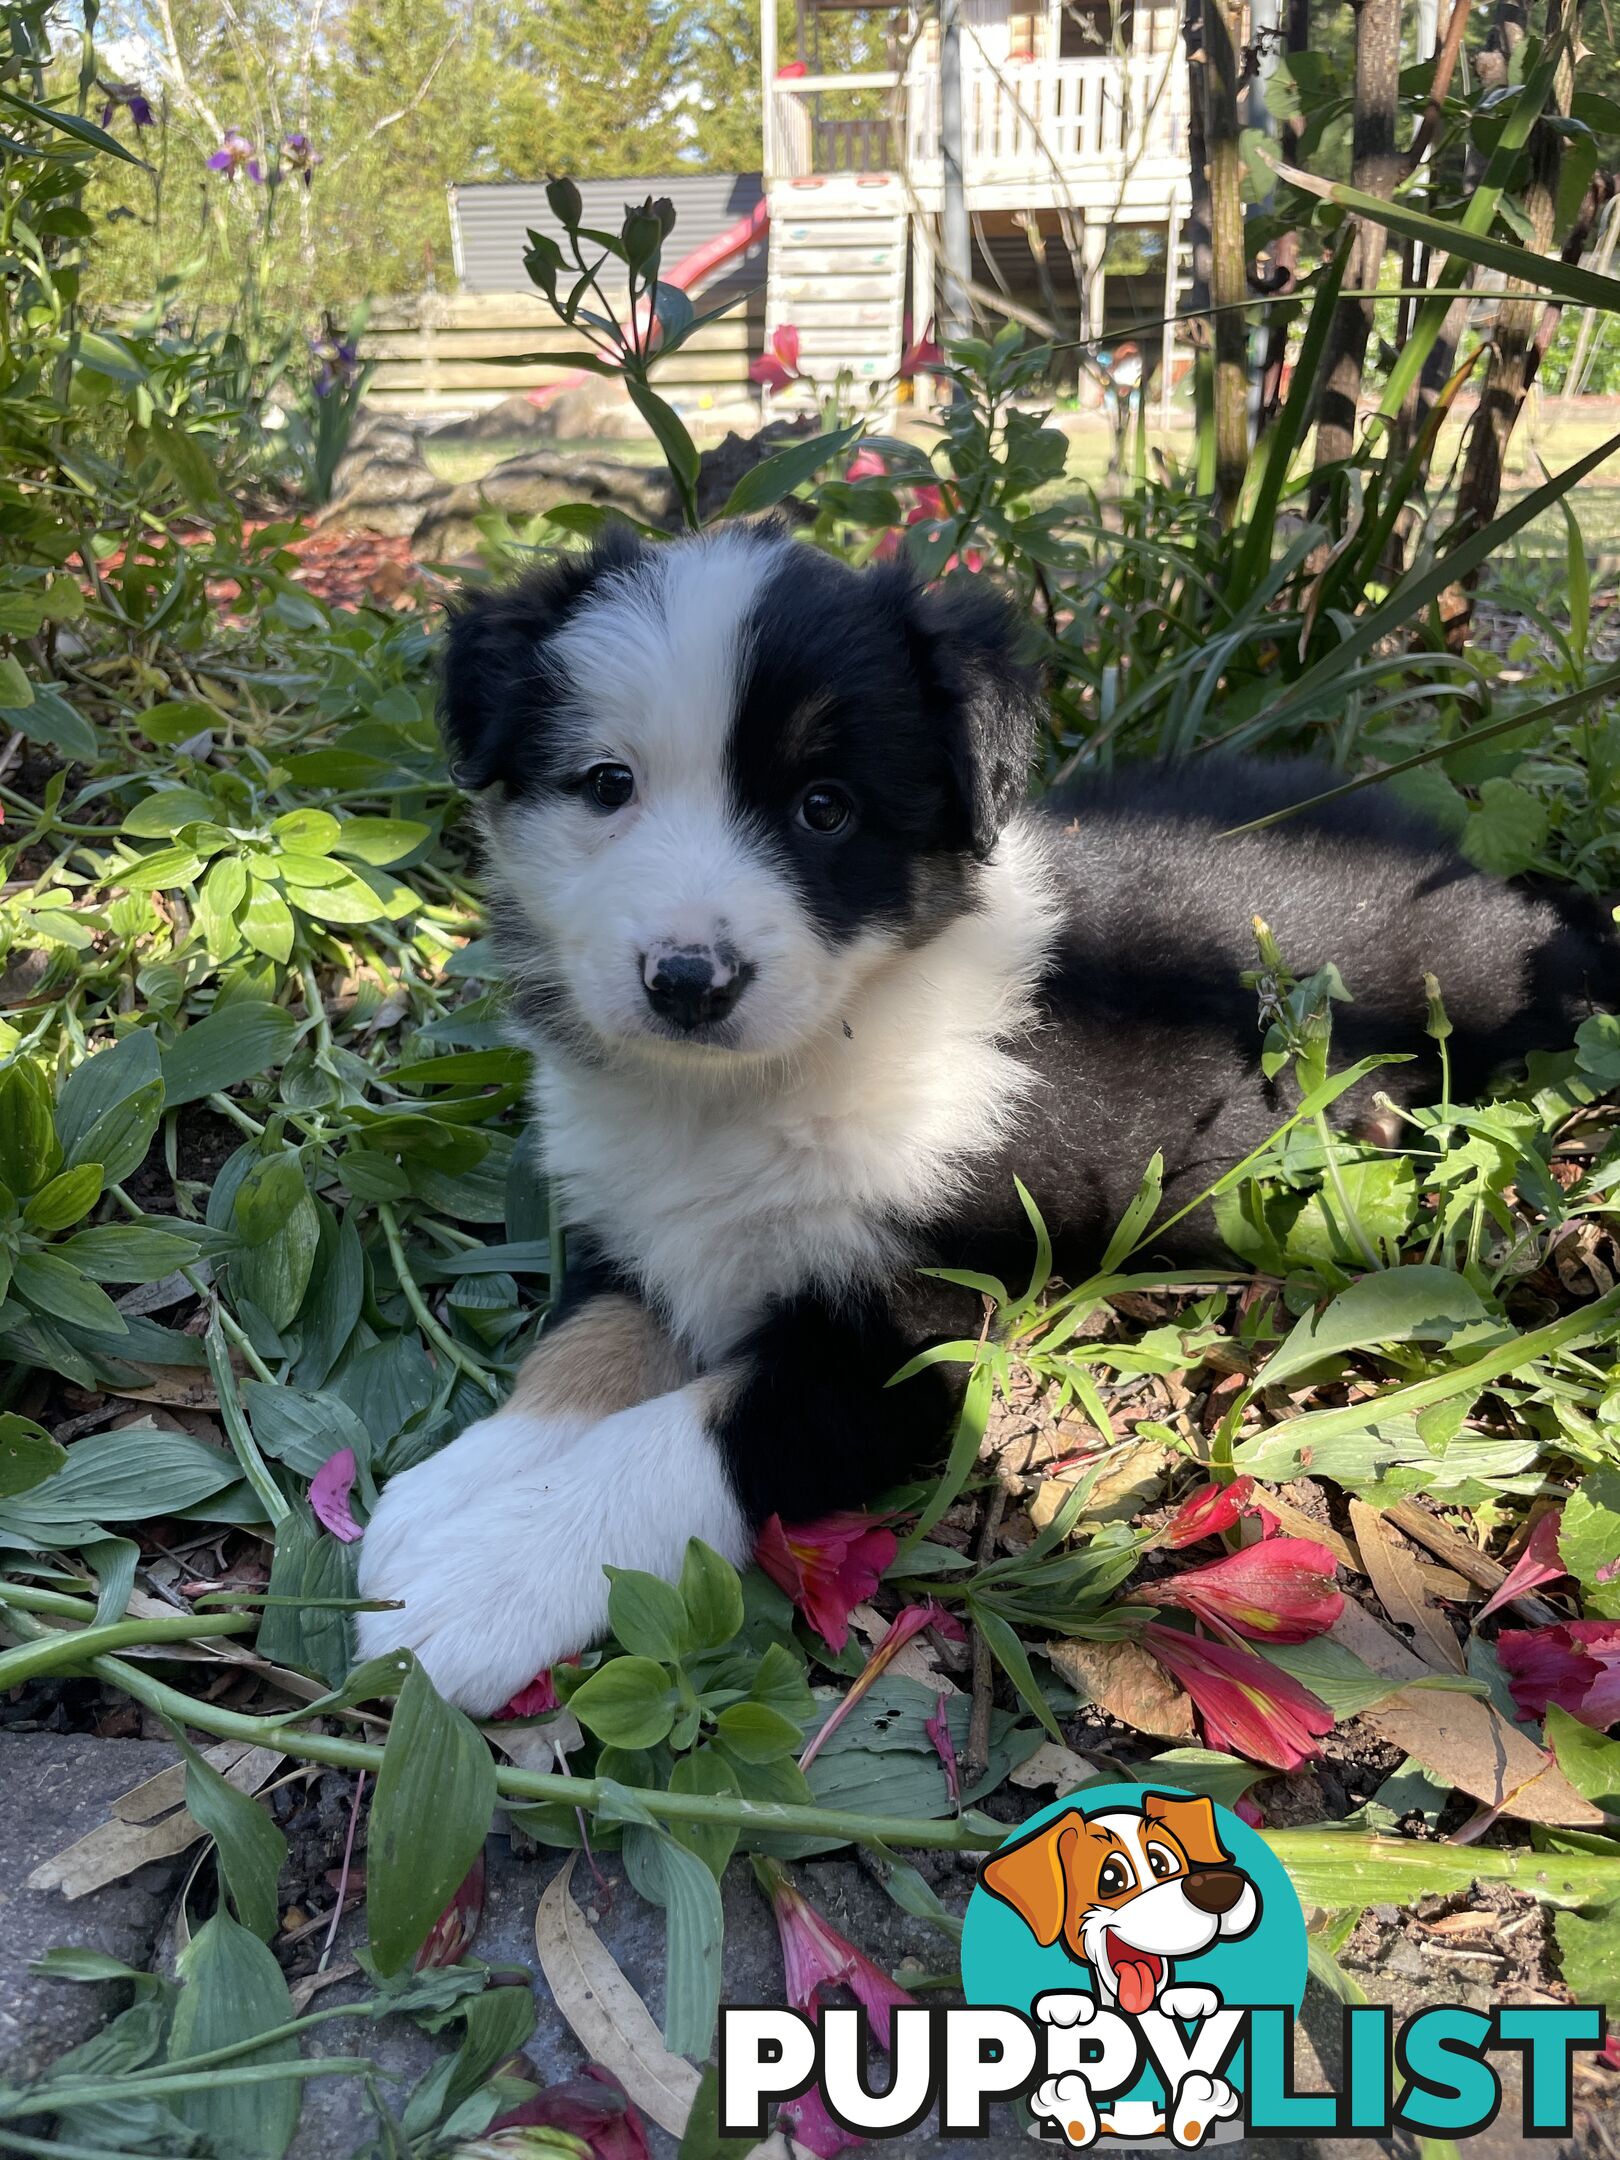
[(606, 2015), (1465, 1742), (1395, 1576), (149, 1822), (1121, 1678)]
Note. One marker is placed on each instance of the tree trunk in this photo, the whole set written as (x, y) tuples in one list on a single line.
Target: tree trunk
[(1513, 346), (1375, 167), (1229, 276), (1285, 248), (1196, 329)]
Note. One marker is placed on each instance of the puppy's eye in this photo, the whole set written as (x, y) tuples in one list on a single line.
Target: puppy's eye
[(1115, 1878), (609, 787), (1162, 1861), (825, 808)]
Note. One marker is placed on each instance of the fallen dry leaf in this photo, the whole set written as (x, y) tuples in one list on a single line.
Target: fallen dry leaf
[(1053, 1768), (1464, 1741), (149, 1822), (1394, 1574), (606, 2015), (1121, 1678)]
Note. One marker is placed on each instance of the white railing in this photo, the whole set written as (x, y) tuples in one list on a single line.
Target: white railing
[(1016, 124), (1072, 113)]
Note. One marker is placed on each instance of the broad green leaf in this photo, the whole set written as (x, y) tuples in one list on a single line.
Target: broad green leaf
[(711, 1593), (680, 452), (28, 1454), (29, 1146), (309, 832), (252, 1851), (377, 840), (1383, 1197), (51, 1285), (67, 1199), (754, 1732), (1505, 833), (1409, 1304), (1589, 1954), (430, 1814), (233, 1989), (160, 815), (239, 1042), (113, 1561), (275, 1275), (331, 1306), (109, 1102), (773, 477), (266, 922), (646, 1615), (268, 1197), (346, 899), (1589, 1541), (124, 1476), (129, 1252), (309, 1570), (704, 1770), (667, 1874), (160, 871), (303, 1430), (628, 1702), (49, 718), (1590, 1760)]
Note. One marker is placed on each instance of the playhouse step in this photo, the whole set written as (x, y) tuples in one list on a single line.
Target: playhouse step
[(838, 275)]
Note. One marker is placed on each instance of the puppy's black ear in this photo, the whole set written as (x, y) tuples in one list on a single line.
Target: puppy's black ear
[(497, 688), (991, 701)]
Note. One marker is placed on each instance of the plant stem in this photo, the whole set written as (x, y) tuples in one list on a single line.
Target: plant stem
[(56, 2099), (254, 1467), (59, 1651), (442, 1341), (1352, 1221)]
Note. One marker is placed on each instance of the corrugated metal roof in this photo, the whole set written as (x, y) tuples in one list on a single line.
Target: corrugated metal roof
[(490, 221)]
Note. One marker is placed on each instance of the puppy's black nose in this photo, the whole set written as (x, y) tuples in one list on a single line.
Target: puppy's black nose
[(1214, 1890), (691, 986)]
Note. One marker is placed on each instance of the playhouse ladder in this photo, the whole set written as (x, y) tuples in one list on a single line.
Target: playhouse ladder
[(838, 274)]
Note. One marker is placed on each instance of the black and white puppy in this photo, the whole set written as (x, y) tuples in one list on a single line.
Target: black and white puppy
[(807, 985)]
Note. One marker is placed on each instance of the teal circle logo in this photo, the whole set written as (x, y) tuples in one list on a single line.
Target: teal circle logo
[(1137, 1925)]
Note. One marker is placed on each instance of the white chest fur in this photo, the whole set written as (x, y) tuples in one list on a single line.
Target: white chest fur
[(723, 1191)]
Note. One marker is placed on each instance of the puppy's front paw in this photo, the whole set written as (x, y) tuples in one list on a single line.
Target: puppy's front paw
[(1189, 2003), (1067, 2102), (1201, 2102), (475, 1544), (1058, 2008), (496, 1547)]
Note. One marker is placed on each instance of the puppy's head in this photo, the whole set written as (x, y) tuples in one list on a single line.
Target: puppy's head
[(1125, 1892), (725, 778)]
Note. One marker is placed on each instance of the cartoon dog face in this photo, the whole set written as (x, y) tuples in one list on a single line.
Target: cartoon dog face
[(1127, 1891)]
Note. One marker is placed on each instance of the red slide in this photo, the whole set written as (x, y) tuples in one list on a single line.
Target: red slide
[(687, 272)]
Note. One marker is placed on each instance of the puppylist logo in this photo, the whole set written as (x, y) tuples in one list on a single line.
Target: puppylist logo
[(1134, 1960)]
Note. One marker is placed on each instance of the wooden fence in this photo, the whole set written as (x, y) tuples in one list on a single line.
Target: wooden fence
[(439, 350)]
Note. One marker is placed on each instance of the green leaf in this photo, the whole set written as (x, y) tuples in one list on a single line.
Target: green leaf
[(331, 1306), (275, 1276), (753, 1732), (51, 1285), (1409, 1304), (49, 718), (268, 1197), (378, 840), (1590, 1760), (303, 1430), (680, 452), (266, 922), (112, 1560), (1589, 1541), (74, 124), (160, 815), (1011, 1656), (67, 1199), (628, 1702), (1384, 1199), (1589, 1952), (29, 1147), (711, 1593), (252, 1851), (347, 899), (236, 1043), (1133, 1224), (310, 832), (705, 1771), (781, 1685), (646, 1615), (124, 1476), (160, 871), (1505, 834), (128, 1252), (28, 1454), (430, 1815), (308, 1567), (233, 1989), (667, 1874), (16, 691), (773, 477), (110, 1107)]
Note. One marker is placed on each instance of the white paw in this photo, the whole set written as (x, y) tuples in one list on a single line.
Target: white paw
[(1201, 2102), (1188, 2003), (1061, 2009), (496, 1547), (1067, 2102)]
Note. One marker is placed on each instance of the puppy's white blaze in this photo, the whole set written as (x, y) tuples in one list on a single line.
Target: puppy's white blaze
[(689, 1174), (496, 1545)]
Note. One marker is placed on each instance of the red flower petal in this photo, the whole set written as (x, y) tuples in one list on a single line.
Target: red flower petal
[(827, 1568), (1281, 1590), (1207, 1512), (1575, 1665), (1249, 1707), (1539, 1563)]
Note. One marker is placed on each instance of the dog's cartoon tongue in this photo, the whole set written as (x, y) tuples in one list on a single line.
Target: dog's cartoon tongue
[(1136, 1974)]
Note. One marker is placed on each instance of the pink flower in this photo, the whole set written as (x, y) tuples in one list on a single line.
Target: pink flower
[(1207, 1512), (1281, 1590), (236, 154), (593, 2108), (1575, 1665), (451, 1935), (922, 357), (329, 1491), (911, 1621), (866, 465), (1246, 1811), (532, 1701), (1249, 1707), (827, 1568), (1539, 1563), (778, 365), (816, 1957)]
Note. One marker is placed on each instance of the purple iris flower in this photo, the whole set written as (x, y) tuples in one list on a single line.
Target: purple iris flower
[(235, 154), (337, 362), (300, 155), (124, 97)]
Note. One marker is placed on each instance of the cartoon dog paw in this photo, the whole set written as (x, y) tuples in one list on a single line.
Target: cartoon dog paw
[(1201, 2102), (1058, 2008), (1067, 2102), (1189, 2003)]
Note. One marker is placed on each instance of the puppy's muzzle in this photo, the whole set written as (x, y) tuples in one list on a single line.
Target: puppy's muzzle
[(693, 986), (1213, 1890)]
